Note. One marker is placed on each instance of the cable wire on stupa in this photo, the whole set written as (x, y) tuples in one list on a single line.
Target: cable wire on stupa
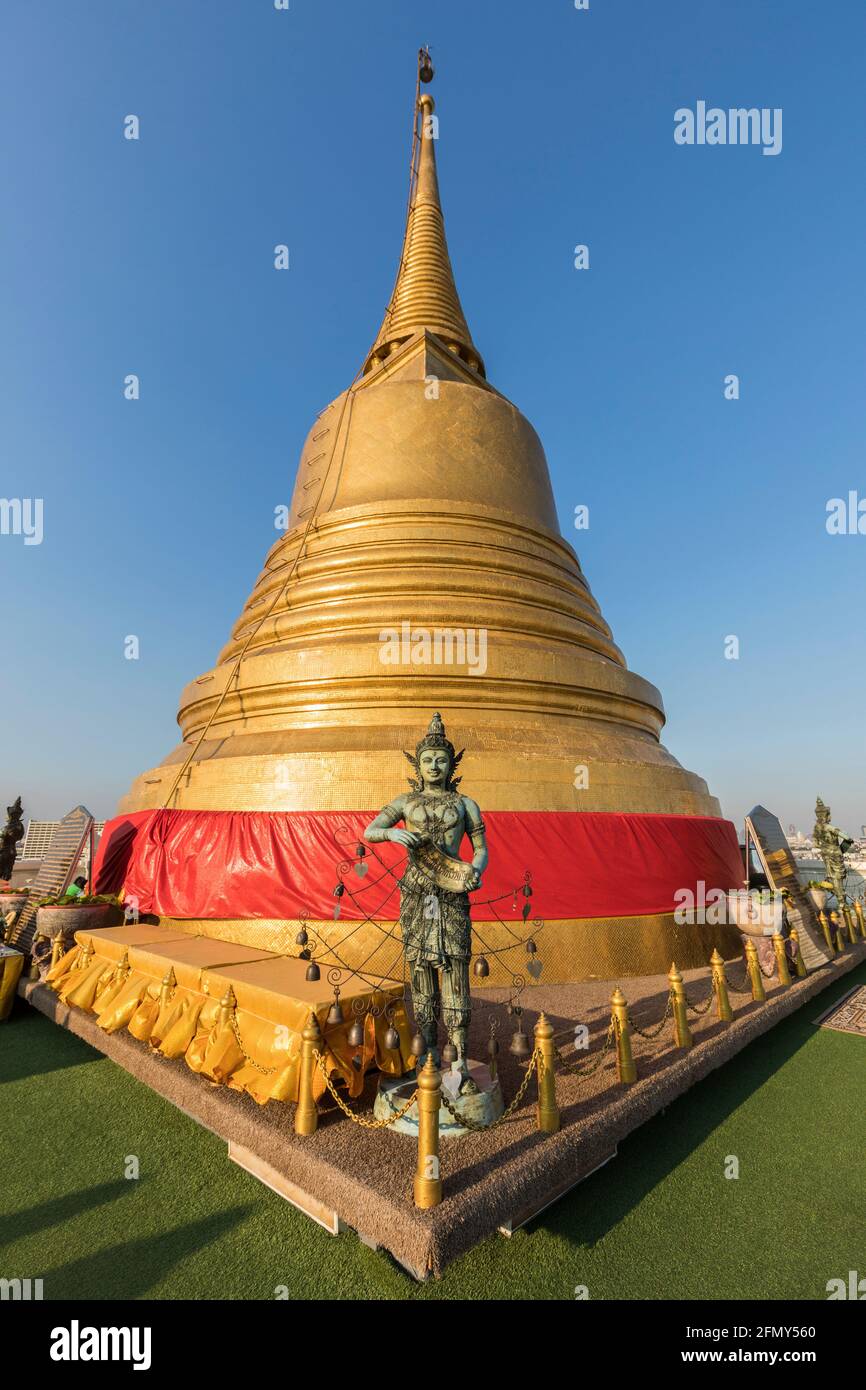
[(425, 74)]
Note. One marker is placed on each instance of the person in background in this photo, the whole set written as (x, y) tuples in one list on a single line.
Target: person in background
[(76, 888)]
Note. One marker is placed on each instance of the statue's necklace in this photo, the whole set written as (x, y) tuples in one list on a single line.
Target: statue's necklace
[(434, 810)]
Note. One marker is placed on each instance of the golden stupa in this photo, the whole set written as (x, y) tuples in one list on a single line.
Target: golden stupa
[(423, 497)]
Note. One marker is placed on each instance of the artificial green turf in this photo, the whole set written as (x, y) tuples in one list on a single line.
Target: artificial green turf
[(660, 1221)]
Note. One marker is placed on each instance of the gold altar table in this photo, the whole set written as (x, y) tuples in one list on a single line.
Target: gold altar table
[(11, 962), (234, 1013)]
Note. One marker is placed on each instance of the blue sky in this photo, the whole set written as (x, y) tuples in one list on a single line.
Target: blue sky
[(707, 516)]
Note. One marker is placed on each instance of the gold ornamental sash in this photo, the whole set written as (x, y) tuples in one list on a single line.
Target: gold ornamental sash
[(453, 875)]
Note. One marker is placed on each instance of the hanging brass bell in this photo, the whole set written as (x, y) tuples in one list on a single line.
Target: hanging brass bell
[(482, 969), (418, 1046), (449, 1054), (305, 955), (301, 939), (519, 1045), (335, 1013), (356, 1034), (531, 947), (392, 1039), (313, 972)]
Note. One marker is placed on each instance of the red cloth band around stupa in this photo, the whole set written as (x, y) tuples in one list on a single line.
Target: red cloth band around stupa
[(247, 864)]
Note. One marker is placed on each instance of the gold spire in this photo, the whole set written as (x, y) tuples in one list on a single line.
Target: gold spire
[(425, 295)]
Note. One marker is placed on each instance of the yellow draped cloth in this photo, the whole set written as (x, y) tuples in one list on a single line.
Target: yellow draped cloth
[(11, 962), (169, 990)]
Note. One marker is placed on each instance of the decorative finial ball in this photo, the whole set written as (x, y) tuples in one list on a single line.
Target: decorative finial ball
[(427, 104)]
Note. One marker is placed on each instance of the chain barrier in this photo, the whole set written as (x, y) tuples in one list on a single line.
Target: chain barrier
[(746, 987), (650, 1034), (701, 1009), (265, 1071), (574, 1067), (351, 1114), (475, 1125)]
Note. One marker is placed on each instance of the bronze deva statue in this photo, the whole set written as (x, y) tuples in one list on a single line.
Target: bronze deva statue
[(434, 920), (13, 832), (832, 846)]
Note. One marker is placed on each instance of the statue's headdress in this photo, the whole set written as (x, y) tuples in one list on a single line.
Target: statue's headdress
[(435, 737)]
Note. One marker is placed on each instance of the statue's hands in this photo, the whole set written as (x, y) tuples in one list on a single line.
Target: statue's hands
[(474, 883), (408, 838)]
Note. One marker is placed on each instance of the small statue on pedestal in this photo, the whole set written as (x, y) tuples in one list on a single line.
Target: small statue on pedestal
[(832, 846), (434, 890)]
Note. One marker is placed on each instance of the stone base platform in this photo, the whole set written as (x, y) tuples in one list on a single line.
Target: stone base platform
[(345, 1176), (482, 1108)]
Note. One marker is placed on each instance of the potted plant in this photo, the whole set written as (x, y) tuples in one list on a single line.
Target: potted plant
[(756, 911), (89, 911), (819, 891), (11, 899)]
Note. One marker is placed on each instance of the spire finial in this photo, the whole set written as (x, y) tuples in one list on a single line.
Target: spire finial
[(425, 295)]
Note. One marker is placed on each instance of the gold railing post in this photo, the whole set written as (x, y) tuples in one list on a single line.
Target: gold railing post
[(720, 984), (682, 1031), (825, 927), (753, 965), (56, 949), (227, 1008), (624, 1057), (306, 1114), (861, 920), (547, 1109), (781, 958), (799, 963), (849, 923), (838, 934), (166, 989), (428, 1179)]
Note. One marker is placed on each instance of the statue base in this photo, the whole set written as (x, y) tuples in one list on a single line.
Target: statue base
[(483, 1108)]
